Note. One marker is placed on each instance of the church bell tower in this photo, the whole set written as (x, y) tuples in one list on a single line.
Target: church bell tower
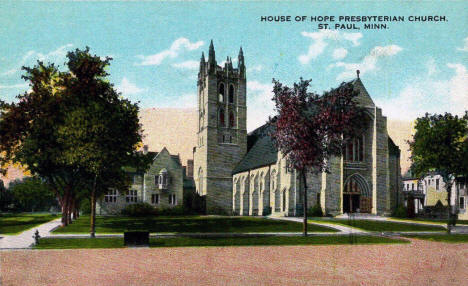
[(222, 130)]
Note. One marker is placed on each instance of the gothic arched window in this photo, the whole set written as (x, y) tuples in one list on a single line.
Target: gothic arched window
[(231, 93), (354, 151), (221, 118), (221, 92), (231, 120)]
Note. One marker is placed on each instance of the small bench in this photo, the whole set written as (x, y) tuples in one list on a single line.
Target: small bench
[(136, 238)]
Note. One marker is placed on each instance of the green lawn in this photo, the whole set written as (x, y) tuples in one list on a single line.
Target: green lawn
[(16, 223), (63, 243), (187, 224), (431, 220), (453, 238), (374, 225)]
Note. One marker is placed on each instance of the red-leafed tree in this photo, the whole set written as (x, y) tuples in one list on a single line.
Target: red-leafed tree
[(310, 129)]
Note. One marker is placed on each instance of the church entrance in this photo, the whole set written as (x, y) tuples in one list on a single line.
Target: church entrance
[(356, 196), (351, 203)]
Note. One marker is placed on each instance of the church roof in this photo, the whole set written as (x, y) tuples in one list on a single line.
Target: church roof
[(261, 150)]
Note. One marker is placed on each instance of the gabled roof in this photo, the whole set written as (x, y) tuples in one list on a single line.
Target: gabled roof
[(261, 152)]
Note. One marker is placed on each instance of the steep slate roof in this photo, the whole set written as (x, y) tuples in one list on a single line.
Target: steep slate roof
[(261, 150)]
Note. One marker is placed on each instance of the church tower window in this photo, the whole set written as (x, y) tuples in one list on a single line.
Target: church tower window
[(231, 120), (231, 93), (221, 92), (221, 118)]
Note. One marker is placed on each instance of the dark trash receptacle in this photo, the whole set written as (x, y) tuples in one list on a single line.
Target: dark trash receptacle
[(136, 238)]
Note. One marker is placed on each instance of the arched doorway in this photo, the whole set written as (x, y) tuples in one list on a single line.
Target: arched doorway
[(356, 195)]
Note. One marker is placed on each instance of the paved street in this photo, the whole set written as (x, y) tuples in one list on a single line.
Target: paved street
[(418, 263)]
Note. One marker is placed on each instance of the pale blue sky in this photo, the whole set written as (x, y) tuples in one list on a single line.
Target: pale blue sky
[(409, 68)]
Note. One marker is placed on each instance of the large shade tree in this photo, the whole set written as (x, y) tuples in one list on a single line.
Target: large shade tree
[(310, 129), (72, 129), (440, 144)]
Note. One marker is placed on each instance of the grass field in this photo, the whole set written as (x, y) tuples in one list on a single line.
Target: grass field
[(453, 238), (16, 223), (64, 243), (374, 225), (430, 220), (187, 224)]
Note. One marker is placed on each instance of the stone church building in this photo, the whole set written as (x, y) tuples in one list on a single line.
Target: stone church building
[(244, 174)]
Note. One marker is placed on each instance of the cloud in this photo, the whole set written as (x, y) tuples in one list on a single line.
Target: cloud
[(191, 65), (20, 85), (185, 100), (128, 88), (176, 47), (431, 67), (339, 53), (259, 103), (56, 56), (256, 68), (320, 42), (369, 63), (458, 88), (465, 46), (431, 94)]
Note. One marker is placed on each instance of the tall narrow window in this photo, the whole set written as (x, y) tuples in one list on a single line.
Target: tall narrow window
[(231, 93), (172, 199), (361, 148), (155, 199), (462, 203), (221, 92), (349, 151), (437, 184), (231, 119), (221, 118)]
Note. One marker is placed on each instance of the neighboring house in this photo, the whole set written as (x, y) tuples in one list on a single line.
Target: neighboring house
[(459, 197), (161, 185), (434, 192), (413, 193), (244, 174)]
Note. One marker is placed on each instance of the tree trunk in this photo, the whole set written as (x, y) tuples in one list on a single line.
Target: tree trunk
[(92, 231), (303, 173), (64, 208), (449, 199), (69, 205)]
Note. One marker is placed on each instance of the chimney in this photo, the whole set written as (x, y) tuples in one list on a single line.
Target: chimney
[(189, 168)]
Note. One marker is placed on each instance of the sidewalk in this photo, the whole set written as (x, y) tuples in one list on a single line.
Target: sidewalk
[(343, 229), (25, 239)]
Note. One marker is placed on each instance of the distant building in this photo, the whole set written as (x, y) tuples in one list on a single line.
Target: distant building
[(161, 185)]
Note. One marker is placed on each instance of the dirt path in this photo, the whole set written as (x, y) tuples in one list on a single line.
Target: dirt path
[(418, 263)]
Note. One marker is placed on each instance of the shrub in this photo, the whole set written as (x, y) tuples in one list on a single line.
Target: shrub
[(139, 209), (179, 210), (85, 206), (400, 212), (315, 211)]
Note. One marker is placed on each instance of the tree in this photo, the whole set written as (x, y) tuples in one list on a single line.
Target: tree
[(440, 144), (309, 129), (32, 194), (72, 129)]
